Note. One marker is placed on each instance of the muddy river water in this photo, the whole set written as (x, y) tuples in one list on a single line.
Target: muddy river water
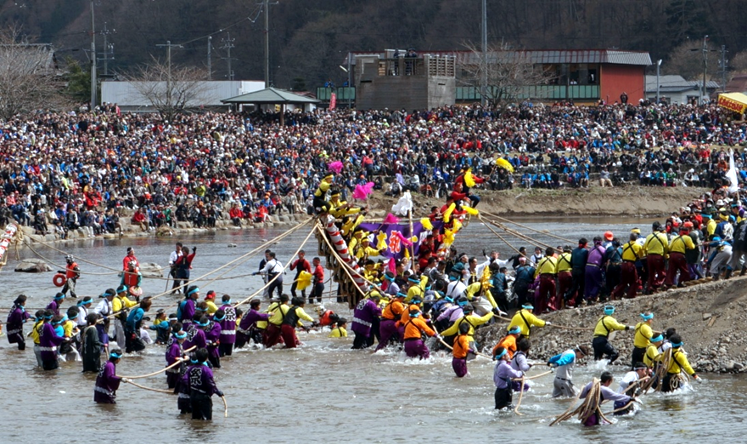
[(324, 391)]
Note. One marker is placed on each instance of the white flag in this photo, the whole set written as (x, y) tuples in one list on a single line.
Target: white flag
[(732, 174)]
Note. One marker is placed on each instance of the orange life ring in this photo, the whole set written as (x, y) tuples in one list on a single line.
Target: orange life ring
[(135, 291), (59, 280)]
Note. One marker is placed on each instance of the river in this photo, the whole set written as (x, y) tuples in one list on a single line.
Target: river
[(324, 391)]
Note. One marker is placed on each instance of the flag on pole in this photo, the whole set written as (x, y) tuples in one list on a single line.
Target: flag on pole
[(732, 174), (332, 101)]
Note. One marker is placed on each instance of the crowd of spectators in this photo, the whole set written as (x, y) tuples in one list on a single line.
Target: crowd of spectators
[(64, 171)]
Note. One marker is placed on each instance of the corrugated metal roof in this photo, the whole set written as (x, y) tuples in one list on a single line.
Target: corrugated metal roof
[(270, 95), (609, 56)]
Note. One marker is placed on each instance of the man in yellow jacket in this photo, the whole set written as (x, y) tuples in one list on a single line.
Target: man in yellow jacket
[(643, 335), (469, 317), (656, 247), (525, 319), (606, 325), (677, 363), (547, 270), (631, 252), (677, 262)]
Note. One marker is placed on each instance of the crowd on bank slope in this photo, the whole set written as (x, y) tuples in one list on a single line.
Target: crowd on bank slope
[(65, 171)]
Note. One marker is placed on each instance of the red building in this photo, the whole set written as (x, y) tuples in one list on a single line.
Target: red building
[(583, 76)]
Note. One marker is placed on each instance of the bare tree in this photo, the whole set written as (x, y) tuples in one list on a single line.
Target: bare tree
[(27, 75), (171, 90), (687, 60), (509, 73)]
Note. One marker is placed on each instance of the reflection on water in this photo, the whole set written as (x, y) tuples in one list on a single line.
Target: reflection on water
[(323, 391)]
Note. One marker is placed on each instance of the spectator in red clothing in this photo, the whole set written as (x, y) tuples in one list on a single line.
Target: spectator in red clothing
[(461, 186), (140, 218), (236, 214)]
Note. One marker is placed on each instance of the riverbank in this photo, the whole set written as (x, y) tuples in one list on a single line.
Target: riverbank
[(630, 201), (706, 315)]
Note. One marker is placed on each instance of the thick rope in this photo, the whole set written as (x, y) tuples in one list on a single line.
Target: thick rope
[(521, 395), (244, 256), (178, 361), (80, 258), (170, 392), (519, 235), (62, 267), (528, 228), (225, 407), (277, 276), (487, 224)]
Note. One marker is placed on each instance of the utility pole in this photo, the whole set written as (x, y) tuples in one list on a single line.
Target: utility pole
[(227, 45), (723, 68), (168, 46), (93, 61), (703, 91), (210, 59), (108, 49), (484, 73), (267, 43)]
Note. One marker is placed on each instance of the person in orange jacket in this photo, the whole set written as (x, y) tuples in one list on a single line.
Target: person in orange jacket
[(414, 330), (462, 349)]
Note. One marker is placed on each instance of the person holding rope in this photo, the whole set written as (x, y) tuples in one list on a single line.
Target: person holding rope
[(565, 276), (606, 394), (175, 352), (56, 303), (389, 317), (51, 336), (104, 310), (133, 324), (629, 386), (363, 323), (300, 264), (291, 320), (520, 363), (201, 382), (248, 328), (212, 336), (468, 318), (547, 270), (632, 252), (677, 364), (604, 328), (120, 308), (107, 381), (656, 248), (415, 328), (186, 309), (273, 269), (509, 341), (84, 307), (563, 365), (277, 311), (643, 335), (463, 347), (525, 320), (72, 274), (524, 278), (503, 376), (579, 257), (16, 318), (227, 326)]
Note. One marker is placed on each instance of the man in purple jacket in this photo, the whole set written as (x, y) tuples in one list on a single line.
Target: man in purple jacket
[(594, 276), (227, 327), (49, 339), (201, 387), (174, 352), (363, 318), (248, 326), (107, 382)]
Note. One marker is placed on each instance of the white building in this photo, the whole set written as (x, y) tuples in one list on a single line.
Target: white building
[(674, 89), (129, 98)]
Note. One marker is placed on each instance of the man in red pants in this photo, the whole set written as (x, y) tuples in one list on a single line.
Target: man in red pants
[(565, 277), (657, 247), (547, 270), (632, 252), (677, 260)]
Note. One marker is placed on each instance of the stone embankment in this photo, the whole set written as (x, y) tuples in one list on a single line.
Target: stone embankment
[(708, 316)]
